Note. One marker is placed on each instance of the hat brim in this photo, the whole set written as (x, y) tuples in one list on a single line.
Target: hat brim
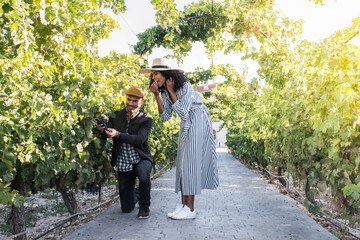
[(147, 71)]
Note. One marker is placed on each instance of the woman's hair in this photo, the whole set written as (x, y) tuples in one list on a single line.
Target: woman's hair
[(178, 77)]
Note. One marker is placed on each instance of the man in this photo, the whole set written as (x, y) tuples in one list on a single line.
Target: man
[(130, 129)]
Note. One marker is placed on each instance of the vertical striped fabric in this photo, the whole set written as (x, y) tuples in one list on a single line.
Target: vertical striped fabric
[(196, 163)]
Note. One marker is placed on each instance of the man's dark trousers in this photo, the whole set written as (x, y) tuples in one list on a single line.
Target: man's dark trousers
[(126, 180)]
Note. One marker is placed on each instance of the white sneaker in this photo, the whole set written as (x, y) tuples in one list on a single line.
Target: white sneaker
[(184, 213), (177, 209)]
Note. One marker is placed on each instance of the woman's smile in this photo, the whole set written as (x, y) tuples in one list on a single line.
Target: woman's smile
[(158, 78)]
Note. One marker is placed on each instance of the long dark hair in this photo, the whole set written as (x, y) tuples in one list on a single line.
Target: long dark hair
[(179, 78)]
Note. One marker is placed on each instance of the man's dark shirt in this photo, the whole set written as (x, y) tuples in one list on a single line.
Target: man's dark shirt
[(137, 134)]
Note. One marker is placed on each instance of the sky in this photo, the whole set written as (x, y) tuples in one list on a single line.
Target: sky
[(319, 22)]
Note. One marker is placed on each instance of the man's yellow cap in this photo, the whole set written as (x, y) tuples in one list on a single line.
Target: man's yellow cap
[(135, 91)]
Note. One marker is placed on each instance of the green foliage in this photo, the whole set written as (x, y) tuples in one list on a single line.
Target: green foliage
[(200, 76), (53, 86), (50, 194), (163, 140), (308, 111), (353, 191), (312, 209), (207, 21)]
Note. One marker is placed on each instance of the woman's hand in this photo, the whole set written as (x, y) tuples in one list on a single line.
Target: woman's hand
[(111, 132), (154, 88), (170, 88), (170, 85)]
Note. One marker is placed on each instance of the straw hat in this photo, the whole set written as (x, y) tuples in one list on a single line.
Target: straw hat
[(159, 64), (135, 91)]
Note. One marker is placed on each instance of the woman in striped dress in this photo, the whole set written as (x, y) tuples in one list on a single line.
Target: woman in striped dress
[(196, 156)]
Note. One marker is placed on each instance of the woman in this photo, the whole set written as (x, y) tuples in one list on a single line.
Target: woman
[(196, 156)]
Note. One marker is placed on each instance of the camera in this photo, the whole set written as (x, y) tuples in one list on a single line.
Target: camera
[(101, 121)]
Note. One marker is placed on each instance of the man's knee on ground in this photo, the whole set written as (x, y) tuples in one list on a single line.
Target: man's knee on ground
[(125, 210)]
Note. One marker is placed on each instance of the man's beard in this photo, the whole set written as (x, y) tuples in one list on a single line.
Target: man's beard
[(132, 112), (131, 109)]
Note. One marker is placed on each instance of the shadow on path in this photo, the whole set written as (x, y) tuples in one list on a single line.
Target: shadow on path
[(243, 207)]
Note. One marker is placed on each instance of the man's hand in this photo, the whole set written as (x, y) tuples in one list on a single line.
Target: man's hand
[(111, 132), (99, 127)]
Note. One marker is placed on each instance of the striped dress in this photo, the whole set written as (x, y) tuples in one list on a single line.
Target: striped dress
[(196, 163)]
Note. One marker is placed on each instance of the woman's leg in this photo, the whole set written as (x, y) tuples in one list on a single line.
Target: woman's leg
[(183, 199), (188, 200), (181, 212)]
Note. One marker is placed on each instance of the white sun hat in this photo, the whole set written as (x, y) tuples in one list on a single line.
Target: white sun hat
[(159, 64)]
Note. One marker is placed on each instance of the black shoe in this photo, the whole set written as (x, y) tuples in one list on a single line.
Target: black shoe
[(144, 213)]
